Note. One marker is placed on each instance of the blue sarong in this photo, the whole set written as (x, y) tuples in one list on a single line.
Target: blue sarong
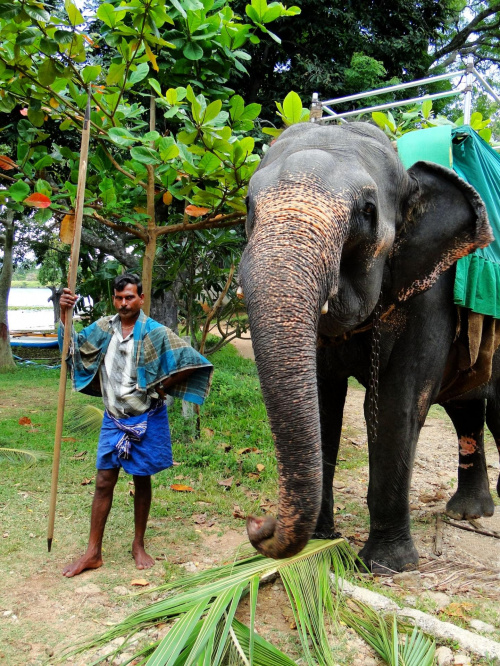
[(148, 449)]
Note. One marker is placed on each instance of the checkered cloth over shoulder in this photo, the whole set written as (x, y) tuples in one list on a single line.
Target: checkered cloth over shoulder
[(158, 353)]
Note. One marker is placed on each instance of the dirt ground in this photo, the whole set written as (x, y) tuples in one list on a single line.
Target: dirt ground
[(40, 611)]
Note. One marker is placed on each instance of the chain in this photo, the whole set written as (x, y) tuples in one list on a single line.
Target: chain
[(372, 425)]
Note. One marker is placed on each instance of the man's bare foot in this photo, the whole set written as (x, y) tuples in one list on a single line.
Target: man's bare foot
[(142, 559), (87, 561)]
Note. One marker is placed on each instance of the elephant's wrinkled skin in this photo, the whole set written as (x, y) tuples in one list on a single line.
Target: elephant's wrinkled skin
[(333, 216)]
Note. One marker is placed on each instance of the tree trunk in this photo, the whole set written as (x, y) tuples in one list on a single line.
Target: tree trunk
[(164, 309), (55, 298), (6, 361)]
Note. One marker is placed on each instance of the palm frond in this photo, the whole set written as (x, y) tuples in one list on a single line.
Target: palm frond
[(17, 456), (415, 649), (204, 605), (85, 420)]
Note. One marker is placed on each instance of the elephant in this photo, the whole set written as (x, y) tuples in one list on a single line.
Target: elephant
[(336, 228)]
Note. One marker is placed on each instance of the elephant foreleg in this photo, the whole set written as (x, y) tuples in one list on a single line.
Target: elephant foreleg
[(493, 423), (331, 396), (472, 498)]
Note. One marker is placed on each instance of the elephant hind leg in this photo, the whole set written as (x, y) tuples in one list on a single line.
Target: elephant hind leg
[(493, 423), (472, 498)]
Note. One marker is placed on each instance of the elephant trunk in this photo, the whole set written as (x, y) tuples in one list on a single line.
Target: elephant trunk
[(286, 277)]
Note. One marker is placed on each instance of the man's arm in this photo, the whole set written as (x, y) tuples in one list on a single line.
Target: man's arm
[(172, 380), (66, 302)]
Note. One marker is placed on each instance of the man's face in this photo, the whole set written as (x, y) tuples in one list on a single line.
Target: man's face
[(128, 302)]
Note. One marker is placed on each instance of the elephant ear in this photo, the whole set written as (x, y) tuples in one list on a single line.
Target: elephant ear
[(445, 219)]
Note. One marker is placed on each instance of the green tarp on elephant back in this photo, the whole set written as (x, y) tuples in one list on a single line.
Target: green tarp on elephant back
[(477, 282)]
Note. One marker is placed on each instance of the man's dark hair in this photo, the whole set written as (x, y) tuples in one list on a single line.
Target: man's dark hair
[(121, 281)]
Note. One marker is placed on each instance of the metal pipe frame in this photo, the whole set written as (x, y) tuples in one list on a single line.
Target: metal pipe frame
[(399, 86), (389, 105)]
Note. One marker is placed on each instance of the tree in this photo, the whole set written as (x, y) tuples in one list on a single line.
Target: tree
[(170, 140), (340, 48), (7, 240)]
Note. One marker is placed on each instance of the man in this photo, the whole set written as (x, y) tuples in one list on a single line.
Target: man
[(132, 361)]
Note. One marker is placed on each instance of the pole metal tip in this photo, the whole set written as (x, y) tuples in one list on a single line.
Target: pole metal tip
[(49, 544)]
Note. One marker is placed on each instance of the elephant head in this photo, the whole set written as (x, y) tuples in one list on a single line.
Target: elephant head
[(332, 216)]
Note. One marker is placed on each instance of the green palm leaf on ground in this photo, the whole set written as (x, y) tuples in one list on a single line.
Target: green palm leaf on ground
[(206, 631), (85, 420), (16, 456), (415, 650)]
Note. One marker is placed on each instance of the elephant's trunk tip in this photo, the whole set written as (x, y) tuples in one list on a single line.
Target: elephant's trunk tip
[(263, 533)]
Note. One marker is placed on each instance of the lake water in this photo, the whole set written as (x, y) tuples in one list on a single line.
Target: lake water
[(30, 320)]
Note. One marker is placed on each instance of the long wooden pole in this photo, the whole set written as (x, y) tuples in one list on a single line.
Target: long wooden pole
[(73, 267)]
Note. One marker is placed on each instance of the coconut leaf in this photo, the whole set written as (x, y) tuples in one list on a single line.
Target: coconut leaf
[(20, 456), (85, 420), (415, 650), (206, 631)]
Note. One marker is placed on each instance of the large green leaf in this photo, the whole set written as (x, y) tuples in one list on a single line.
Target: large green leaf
[(74, 14), (106, 12), (145, 155), (47, 72), (36, 12), (115, 73), (168, 148), (91, 72), (19, 191), (140, 73), (192, 51)]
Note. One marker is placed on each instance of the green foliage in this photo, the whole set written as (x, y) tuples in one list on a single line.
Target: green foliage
[(181, 53), (415, 650), (290, 112), (422, 117)]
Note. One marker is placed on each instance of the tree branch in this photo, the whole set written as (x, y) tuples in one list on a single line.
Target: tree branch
[(231, 220), (116, 248), (138, 233)]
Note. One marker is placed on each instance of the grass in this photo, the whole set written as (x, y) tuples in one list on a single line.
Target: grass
[(233, 423), (25, 284)]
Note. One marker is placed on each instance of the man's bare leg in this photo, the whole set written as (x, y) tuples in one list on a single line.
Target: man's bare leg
[(142, 502), (103, 498)]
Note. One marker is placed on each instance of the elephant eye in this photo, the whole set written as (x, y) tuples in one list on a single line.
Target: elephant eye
[(369, 210)]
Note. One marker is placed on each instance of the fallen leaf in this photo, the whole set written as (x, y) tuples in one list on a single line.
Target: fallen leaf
[(196, 211), (87, 482), (180, 488), (79, 456), (141, 582), (226, 447), (208, 432), (456, 609), (227, 483), (24, 420), (248, 449), (254, 475), (338, 508), (238, 513), (211, 522), (179, 477), (261, 467), (69, 439), (38, 200), (200, 518), (131, 492), (267, 506), (6, 163), (357, 442), (176, 464)]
